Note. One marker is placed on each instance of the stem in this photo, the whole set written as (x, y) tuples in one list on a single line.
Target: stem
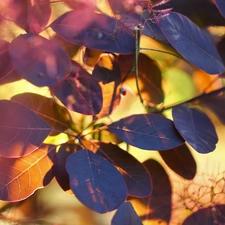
[(191, 100), (137, 50), (95, 130)]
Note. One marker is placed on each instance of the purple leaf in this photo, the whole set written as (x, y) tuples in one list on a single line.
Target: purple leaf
[(8, 73), (207, 216), (38, 15), (95, 181), (93, 30), (126, 215), (193, 44), (221, 6), (158, 204), (39, 60), (60, 172), (181, 161), (80, 92), (216, 104), (196, 128), (147, 131), (22, 131), (136, 177)]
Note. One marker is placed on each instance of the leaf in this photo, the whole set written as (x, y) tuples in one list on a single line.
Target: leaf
[(207, 216), (55, 115), (95, 181), (19, 178), (149, 77), (181, 161), (8, 73), (159, 203), (38, 15), (193, 44), (60, 172), (39, 60), (94, 30), (126, 215), (108, 73), (31, 15), (216, 104), (22, 131), (147, 131), (136, 177), (196, 128), (221, 6), (80, 92)]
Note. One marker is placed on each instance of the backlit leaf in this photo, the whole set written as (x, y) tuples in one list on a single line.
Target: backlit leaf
[(22, 131), (149, 77), (147, 131), (181, 161), (221, 6), (94, 30), (126, 215), (39, 60), (95, 181), (192, 43), (196, 128), (207, 216), (136, 177), (80, 92), (8, 73), (55, 115), (19, 178)]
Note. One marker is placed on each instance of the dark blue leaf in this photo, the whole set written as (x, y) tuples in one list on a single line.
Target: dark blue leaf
[(147, 131), (181, 161), (80, 92), (22, 131), (207, 216), (136, 177), (221, 6), (95, 181), (39, 60), (126, 215), (192, 43), (93, 30), (196, 128)]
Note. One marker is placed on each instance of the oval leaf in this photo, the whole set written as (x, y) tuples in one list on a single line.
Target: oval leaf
[(158, 206), (207, 216), (19, 178), (80, 92), (196, 128), (22, 131), (126, 215), (193, 44), (136, 177), (95, 181), (39, 60), (181, 161), (55, 115), (94, 30), (221, 6), (147, 131)]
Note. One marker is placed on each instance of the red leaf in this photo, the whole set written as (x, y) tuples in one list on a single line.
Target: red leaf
[(19, 178), (22, 131)]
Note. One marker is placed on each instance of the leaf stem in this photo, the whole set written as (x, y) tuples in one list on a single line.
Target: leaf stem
[(161, 51)]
